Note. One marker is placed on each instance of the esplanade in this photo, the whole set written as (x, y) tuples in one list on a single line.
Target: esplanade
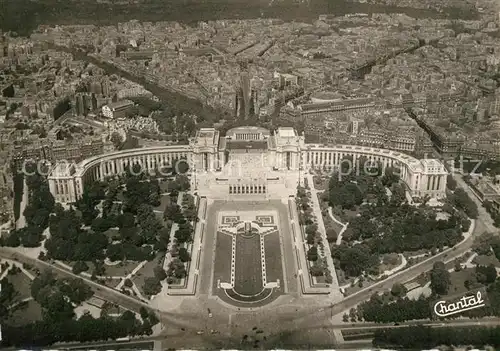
[(247, 161)]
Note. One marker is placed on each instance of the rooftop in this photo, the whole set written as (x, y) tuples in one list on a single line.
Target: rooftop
[(431, 162), (120, 104), (206, 136), (231, 133), (286, 132), (63, 169)]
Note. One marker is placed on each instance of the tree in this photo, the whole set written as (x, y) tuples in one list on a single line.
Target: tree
[(461, 200), (183, 181), (184, 255), (440, 279), (486, 274), (176, 269), (184, 233), (398, 290), (152, 286), (484, 243), (311, 228), (79, 267), (7, 298), (75, 290), (163, 239), (356, 259), (173, 212), (312, 254), (331, 235), (128, 283), (423, 337), (310, 238), (495, 246), (87, 206), (451, 183), (149, 223), (352, 314), (317, 271), (391, 176), (116, 139), (159, 273)]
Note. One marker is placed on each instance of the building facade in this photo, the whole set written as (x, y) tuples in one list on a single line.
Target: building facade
[(248, 160), (117, 109)]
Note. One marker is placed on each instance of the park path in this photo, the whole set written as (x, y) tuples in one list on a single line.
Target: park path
[(344, 226), (130, 275), (17, 303), (88, 275)]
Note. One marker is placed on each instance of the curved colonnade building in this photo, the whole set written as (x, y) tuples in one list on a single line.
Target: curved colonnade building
[(247, 161)]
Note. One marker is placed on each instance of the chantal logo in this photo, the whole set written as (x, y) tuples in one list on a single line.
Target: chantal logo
[(465, 303)]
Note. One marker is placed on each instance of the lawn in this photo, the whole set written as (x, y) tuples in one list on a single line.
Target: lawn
[(486, 260), (147, 271), (164, 185), (351, 213), (458, 279), (164, 199), (330, 225), (353, 289), (248, 270), (22, 284), (160, 217), (29, 312), (222, 264), (112, 283), (389, 261), (121, 269), (274, 266)]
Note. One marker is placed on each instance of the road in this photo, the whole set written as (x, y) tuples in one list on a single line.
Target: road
[(200, 341), (483, 214), (465, 322)]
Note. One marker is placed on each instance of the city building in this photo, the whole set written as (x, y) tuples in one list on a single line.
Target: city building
[(117, 109), (248, 160)]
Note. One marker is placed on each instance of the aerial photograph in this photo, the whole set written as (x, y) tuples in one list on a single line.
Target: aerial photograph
[(250, 175)]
